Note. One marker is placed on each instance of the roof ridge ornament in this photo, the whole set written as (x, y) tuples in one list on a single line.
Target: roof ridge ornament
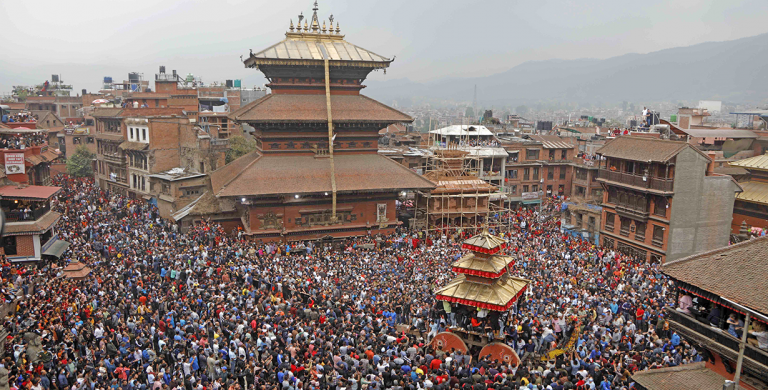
[(315, 22)]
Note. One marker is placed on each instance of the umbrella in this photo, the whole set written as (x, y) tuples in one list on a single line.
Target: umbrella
[(100, 101)]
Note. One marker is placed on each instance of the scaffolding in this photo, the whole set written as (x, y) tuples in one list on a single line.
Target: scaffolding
[(461, 201)]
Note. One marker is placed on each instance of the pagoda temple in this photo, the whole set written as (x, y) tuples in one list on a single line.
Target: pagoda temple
[(316, 171), (484, 282)]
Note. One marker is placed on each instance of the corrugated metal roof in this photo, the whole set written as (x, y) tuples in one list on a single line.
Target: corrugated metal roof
[(484, 151), (462, 130), (552, 142), (754, 191), (313, 47), (724, 133), (757, 162)]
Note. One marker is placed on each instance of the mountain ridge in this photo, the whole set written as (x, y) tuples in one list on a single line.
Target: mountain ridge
[(721, 70)]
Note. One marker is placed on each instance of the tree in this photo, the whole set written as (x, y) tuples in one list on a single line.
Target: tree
[(80, 164), (469, 113), (239, 146)]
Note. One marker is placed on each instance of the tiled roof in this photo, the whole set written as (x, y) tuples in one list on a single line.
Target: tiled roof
[(552, 142), (144, 112), (694, 376), (225, 174), (32, 227), (758, 162), (307, 174), (485, 240), (754, 191), (128, 145), (106, 112), (728, 170), (312, 108), (735, 272), (644, 149), (28, 192)]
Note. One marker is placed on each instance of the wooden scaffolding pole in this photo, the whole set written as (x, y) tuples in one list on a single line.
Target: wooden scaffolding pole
[(330, 138)]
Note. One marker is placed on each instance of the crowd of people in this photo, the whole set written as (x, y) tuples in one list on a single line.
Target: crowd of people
[(22, 116), (20, 142), (205, 309)]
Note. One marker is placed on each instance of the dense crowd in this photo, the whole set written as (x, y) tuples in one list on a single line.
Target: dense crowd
[(20, 142), (208, 310)]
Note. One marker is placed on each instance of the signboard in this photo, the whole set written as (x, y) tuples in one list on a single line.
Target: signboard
[(530, 195), (14, 163)]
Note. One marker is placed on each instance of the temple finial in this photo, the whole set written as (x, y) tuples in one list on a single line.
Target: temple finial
[(338, 30), (324, 29), (315, 22), (291, 28), (306, 26), (330, 19)]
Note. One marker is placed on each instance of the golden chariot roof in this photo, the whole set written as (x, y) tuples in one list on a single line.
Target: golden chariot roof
[(498, 296), (491, 267), (754, 191), (485, 242)]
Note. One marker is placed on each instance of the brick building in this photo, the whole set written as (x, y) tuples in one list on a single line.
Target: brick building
[(662, 200), (29, 147), (316, 171), (583, 212), (132, 144), (537, 165)]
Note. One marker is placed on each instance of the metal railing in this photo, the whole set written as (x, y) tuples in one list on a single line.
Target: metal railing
[(220, 143), (649, 182), (21, 216)]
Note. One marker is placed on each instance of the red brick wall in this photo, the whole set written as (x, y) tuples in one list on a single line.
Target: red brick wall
[(25, 246)]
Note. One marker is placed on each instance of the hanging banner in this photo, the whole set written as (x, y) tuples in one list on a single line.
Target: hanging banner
[(14, 163)]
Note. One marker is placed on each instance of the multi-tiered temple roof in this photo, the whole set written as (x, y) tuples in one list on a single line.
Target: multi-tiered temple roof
[(484, 281)]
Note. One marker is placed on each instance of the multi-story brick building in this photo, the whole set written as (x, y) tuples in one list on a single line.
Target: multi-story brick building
[(133, 144), (537, 165), (583, 211), (661, 199)]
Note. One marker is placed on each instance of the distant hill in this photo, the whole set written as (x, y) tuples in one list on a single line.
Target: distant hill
[(733, 71)]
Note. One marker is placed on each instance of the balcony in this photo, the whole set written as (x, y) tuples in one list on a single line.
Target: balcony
[(637, 181), (220, 143), (719, 341), (632, 212), (19, 215), (114, 158), (657, 242)]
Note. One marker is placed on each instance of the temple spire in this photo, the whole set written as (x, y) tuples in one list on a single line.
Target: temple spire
[(315, 22)]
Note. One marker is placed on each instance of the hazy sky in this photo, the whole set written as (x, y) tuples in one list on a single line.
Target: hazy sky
[(84, 40)]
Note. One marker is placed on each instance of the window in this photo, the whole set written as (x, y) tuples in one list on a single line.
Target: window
[(513, 190), (660, 207), (613, 195), (512, 173), (526, 173), (130, 134), (549, 190), (535, 173), (550, 173), (532, 154), (513, 156), (581, 191), (625, 222), (551, 154), (564, 154), (658, 236), (560, 189), (76, 141), (640, 231), (562, 173), (525, 188), (535, 188), (9, 244), (202, 167), (144, 134), (89, 140), (609, 220)]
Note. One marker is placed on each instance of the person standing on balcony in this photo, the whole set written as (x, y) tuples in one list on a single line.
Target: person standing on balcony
[(735, 326)]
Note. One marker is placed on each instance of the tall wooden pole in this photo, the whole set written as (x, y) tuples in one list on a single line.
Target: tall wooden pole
[(742, 344), (330, 139)]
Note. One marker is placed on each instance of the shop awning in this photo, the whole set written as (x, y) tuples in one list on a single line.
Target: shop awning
[(57, 248)]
